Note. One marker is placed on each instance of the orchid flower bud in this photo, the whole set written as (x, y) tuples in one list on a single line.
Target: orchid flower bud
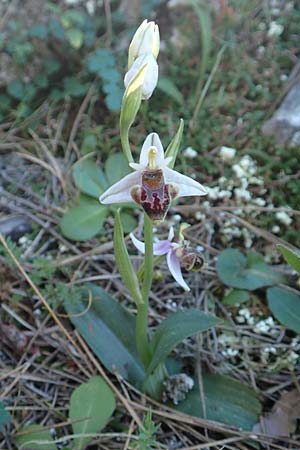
[(144, 41), (150, 77)]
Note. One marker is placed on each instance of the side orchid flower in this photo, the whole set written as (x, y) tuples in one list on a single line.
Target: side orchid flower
[(153, 185), (177, 253)]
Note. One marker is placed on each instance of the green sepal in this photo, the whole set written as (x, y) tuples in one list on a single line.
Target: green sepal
[(130, 105), (173, 147), (123, 262)]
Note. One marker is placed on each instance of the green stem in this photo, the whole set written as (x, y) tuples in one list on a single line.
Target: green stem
[(126, 145), (142, 341)]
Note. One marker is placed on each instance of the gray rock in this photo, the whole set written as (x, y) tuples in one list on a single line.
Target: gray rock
[(14, 226), (284, 125)]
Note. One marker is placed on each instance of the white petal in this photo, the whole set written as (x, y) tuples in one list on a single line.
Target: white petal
[(187, 186), (120, 191), (175, 269), (138, 244), (136, 166), (167, 161), (150, 77), (162, 247), (145, 40), (152, 140), (136, 42)]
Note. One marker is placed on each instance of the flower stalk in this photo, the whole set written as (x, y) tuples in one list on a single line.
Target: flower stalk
[(142, 315)]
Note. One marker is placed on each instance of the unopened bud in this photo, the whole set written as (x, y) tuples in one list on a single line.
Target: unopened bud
[(145, 41)]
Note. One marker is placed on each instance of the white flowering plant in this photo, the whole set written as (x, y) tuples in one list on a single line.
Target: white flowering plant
[(152, 184)]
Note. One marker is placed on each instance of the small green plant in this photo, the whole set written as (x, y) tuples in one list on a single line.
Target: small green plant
[(146, 437), (249, 273)]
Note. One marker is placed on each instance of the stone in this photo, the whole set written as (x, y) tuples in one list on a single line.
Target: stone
[(284, 125)]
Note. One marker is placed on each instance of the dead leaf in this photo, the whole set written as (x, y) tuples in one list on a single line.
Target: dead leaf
[(282, 420)]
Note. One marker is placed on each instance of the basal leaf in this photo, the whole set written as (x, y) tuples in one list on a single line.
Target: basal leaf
[(91, 405), (35, 437), (109, 330), (227, 401), (242, 272), (84, 221), (236, 297), (89, 178), (291, 257), (285, 305), (174, 329), (116, 168)]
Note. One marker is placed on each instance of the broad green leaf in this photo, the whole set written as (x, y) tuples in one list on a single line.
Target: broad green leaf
[(5, 417), (100, 62), (154, 383), (242, 272), (91, 405), (167, 86), (174, 329), (89, 178), (35, 437), (124, 264), (116, 168), (174, 145), (227, 401), (89, 144), (235, 297), (84, 221), (109, 330), (285, 305), (291, 257)]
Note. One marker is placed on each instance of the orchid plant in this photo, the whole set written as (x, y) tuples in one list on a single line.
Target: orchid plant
[(153, 184)]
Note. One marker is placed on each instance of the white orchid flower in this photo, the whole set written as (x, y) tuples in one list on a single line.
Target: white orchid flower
[(150, 77), (173, 250), (152, 184), (145, 40)]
